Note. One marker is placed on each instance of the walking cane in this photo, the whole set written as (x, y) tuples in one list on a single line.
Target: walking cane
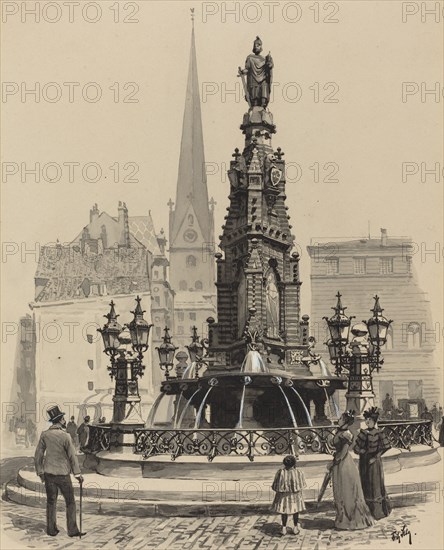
[(81, 497)]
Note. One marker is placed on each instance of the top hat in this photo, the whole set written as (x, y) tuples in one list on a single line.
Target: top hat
[(55, 414)]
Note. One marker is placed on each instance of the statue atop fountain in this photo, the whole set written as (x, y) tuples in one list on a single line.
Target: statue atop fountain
[(259, 72), (259, 362)]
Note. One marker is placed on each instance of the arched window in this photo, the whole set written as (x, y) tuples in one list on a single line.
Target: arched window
[(272, 303), (414, 336), (198, 285), (389, 344), (183, 285), (191, 261)]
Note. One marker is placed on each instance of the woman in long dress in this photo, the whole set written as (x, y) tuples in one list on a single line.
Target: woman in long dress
[(371, 444), (351, 510)]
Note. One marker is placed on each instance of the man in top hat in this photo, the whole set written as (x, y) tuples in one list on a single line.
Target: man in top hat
[(55, 459)]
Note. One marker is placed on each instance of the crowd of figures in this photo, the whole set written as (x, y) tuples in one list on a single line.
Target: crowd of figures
[(360, 497), (80, 434), (391, 411), (359, 494)]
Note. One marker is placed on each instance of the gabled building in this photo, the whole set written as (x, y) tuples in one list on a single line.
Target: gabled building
[(114, 258)]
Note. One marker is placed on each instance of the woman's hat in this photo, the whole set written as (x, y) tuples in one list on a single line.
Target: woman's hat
[(55, 414), (372, 413)]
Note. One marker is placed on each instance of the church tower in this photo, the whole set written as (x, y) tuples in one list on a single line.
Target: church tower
[(191, 223)]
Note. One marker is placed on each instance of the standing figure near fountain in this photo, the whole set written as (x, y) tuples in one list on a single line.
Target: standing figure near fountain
[(288, 485), (370, 445), (351, 510)]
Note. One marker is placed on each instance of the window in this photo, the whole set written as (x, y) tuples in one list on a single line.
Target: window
[(192, 316), (91, 364), (156, 274), (413, 335), (183, 285), (158, 332), (332, 266), (191, 261), (415, 389), (190, 219), (198, 285), (389, 343), (180, 330), (157, 300), (385, 266), (359, 266), (180, 316)]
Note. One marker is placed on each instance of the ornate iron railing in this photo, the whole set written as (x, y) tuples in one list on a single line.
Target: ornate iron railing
[(248, 443), (404, 434), (99, 439), (211, 443)]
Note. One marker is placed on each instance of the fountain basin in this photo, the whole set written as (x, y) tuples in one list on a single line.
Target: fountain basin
[(252, 400)]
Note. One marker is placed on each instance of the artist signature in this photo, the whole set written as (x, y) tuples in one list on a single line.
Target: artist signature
[(398, 535)]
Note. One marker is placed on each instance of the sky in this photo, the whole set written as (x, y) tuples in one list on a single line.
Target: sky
[(352, 101)]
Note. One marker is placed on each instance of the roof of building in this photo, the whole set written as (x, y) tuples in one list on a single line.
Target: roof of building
[(142, 228), (113, 231), (65, 272), (364, 242)]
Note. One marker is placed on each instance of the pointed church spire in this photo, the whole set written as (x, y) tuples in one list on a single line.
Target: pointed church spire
[(191, 180)]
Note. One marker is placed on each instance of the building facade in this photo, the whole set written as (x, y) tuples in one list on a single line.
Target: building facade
[(114, 258), (359, 269)]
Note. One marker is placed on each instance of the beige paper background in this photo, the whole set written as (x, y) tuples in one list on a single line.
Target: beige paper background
[(369, 133)]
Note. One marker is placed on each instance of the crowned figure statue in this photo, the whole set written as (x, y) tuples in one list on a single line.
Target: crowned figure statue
[(259, 73)]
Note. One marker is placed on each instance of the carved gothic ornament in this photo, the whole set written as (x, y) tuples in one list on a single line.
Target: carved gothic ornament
[(253, 333)]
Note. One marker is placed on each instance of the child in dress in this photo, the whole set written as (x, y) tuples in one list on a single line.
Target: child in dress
[(288, 484)]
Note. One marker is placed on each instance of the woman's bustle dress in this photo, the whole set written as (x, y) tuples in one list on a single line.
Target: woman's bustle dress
[(288, 485), (351, 510), (371, 444)]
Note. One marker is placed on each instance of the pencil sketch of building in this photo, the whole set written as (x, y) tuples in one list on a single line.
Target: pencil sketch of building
[(361, 268)]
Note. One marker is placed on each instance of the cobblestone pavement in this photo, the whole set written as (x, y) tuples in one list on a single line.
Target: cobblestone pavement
[(24, 527)]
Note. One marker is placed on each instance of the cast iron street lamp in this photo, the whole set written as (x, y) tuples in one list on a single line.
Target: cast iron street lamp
[(359, 357), (166, 352), (198, 350), (125, 367)]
